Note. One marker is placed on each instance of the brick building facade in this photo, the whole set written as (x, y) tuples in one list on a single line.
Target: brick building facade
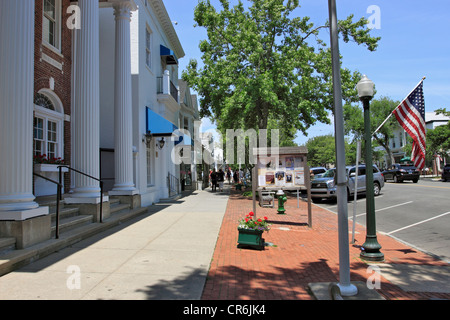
[(52, 80), (68, 93)]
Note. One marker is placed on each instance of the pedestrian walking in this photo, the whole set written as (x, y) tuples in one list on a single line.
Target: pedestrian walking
[(235, 176), (221, 179), (229, 176), (214, 180), (210, 179)]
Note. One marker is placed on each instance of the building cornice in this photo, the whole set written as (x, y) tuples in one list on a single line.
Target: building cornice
[(167, 25)]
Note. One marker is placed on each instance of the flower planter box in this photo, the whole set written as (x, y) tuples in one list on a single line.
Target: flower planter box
[(44, 167), (249, 238), (43, 187)]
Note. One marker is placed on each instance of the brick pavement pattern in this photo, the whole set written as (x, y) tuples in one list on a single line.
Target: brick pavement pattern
[(299, 255)]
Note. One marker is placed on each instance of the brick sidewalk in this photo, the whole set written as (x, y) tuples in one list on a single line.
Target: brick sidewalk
[(300, 255)]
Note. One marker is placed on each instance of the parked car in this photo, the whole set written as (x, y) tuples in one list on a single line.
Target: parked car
[(401, 172), (446, 172), (325, 186), (316, 172)]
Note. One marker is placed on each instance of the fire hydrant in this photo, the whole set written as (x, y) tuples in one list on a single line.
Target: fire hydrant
[(281, 200)]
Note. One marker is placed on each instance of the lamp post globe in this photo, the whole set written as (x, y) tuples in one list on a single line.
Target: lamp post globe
[(365, 88), (370, 250)]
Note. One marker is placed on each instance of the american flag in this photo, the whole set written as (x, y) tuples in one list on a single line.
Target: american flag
[(411, 116)]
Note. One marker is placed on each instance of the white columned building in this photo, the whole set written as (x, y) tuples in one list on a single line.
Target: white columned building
[(86, 138), (16, 110), (123, 154)]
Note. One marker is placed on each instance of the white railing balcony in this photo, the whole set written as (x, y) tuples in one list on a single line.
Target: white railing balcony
[(166, 86)]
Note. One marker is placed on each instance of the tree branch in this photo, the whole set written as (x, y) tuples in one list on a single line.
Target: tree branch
[(313, 31)]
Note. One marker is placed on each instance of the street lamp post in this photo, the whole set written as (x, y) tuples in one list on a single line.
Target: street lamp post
[(371, 248), (346, 287)]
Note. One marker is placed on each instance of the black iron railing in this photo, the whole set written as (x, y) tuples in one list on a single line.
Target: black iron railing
[(91, 177), (173, 89), (173, 184), (58, 199)]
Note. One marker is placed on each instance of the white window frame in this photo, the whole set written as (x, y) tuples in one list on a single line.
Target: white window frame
[(57, 36), (56, 116), (148, 47), (42, 139)]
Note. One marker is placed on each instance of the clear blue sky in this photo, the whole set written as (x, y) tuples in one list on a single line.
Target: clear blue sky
[(414, 44)]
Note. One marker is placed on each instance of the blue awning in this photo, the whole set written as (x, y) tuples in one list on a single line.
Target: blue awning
[(169, 55), (157, 126)]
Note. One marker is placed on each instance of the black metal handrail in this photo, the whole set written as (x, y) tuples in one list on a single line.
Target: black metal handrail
[(89, 176), (58, 198), (173, 184)]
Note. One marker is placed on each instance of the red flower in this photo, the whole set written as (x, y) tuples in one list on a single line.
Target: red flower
[(259, 220), (265, 218), (251, 214)]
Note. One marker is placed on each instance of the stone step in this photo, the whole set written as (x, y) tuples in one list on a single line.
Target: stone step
[(49, 201), (71, 223), (65, 213), (113, 200), (118, 207), (7, 244)]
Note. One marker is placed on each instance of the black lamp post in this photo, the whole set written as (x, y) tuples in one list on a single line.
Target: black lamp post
[(371, 248)]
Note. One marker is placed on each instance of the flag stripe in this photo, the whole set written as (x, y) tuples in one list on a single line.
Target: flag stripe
[(411, 116), (419, 162), (414, 114), (409, 127), (415, 130)]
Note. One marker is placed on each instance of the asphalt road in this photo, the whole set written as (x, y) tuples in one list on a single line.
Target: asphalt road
[(415, 213)]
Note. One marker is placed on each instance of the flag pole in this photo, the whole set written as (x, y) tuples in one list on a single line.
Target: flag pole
[(397, 107)]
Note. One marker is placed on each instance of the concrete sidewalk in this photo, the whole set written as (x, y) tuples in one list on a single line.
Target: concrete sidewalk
[(187, 250), (161, 255)]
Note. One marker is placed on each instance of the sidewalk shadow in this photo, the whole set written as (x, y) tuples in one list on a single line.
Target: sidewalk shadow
[(289, 223), (186, 287), (65, 252), (238, 283)]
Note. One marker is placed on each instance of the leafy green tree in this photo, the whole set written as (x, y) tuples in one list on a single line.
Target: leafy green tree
[(264, 67), (443, 111), (321, 150), (380, 109), (438, 141)]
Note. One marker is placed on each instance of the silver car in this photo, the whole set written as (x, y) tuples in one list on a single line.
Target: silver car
[(325, 186)]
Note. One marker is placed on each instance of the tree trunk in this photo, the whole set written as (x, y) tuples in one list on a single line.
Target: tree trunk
[(385, 144)]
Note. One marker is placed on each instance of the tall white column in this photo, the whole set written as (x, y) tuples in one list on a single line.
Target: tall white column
[(123, 104), (86, 139), (16, 110)]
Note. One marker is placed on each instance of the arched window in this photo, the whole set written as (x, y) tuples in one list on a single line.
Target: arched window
[(48, 126), (43, 101)]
